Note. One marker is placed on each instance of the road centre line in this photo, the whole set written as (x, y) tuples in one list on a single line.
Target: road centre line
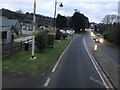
[(47, 82)]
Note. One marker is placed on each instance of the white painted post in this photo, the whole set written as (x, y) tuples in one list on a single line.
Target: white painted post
[(33, 33)]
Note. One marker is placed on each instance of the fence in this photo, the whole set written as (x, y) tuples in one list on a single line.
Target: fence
[(12, 48)]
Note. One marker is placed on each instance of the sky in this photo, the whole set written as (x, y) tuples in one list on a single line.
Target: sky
[(95, 10)]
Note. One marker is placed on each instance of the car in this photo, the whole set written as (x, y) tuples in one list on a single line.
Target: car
[(62, 31), (97, 39)]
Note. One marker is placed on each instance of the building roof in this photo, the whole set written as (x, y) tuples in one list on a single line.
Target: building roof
[(7, 22)]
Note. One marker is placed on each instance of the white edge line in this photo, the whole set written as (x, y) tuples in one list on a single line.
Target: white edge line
[(94, 64), (53, 70), (47, 82)]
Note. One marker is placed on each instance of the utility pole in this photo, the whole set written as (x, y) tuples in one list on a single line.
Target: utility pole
[(55, 13), (33, 33)]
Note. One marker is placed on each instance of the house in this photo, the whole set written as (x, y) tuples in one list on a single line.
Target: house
[(27, 27), (9, 29)]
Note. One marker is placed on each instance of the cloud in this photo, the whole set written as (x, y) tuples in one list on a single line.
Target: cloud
[(95, 10)]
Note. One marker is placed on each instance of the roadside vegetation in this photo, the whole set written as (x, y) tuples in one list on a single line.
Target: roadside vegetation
[(110, 32), (46, 52)]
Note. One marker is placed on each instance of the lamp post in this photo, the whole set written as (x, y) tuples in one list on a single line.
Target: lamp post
[(55, 15), (55, 11), (33, 33)]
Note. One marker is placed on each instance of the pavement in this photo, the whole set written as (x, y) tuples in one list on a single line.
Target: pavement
[(23, 39)]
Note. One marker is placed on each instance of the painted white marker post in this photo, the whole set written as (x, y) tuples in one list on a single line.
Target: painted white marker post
[(33, 33), (95, 47)]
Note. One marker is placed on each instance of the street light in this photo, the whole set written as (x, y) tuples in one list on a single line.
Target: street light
[(55, 14), (61, 5)]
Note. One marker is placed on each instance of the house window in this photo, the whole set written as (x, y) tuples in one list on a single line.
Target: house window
[(27, 28), (4, 34)]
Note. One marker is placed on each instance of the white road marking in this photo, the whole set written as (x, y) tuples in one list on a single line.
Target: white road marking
[(95, 47), (53, 70), (96, 81), (91, 57), (47, 82)]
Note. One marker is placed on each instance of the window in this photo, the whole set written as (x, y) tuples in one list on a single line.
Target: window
[(27, 28), (4, 34)]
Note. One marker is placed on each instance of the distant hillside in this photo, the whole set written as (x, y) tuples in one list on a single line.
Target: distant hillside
[(41, 20)]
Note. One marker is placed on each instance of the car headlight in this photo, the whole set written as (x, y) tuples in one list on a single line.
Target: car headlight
[(101, 40)]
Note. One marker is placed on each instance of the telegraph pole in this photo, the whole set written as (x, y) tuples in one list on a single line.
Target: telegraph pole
[(33, 33)]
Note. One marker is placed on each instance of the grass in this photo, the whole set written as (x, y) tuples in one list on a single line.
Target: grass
[(20, 63)]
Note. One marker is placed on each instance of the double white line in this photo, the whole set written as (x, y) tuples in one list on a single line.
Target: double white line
[(101, 74)]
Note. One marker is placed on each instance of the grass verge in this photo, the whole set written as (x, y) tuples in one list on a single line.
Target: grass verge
[(20, 63)]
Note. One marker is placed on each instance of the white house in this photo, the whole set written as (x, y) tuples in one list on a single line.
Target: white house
[(27, 27), (9, 28)]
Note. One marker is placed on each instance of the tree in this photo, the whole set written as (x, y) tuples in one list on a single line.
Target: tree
[(61, 21), (19, 11), (79, 21), (110, 19), (27, 13), (69, 20)]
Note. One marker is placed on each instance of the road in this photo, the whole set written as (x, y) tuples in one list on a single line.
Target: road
[(112, 53), (75, 69)]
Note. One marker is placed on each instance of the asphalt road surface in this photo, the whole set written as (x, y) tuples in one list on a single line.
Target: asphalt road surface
[(112, 53), (75, 69)]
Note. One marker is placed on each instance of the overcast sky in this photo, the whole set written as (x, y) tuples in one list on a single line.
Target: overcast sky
[(95, 10)]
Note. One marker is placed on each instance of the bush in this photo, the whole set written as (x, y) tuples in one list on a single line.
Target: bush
[(50, 40), (58, 35), (41, 41), (113, 34), (64, 36)]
